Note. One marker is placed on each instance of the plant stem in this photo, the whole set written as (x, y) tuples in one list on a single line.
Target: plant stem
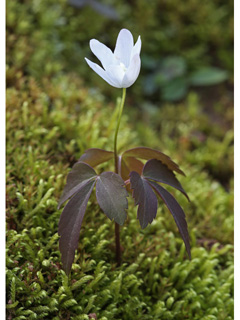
[(117, 229), (117, 243), (117, 128)]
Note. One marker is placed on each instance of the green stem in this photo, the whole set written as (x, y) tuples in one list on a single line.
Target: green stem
[(117, 229), (117, 128)]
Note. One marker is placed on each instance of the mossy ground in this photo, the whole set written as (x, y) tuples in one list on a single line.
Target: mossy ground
[(53, 115)]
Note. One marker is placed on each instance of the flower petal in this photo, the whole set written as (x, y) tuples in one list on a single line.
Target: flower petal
[(102, 52), (132, 72), (124, 46), (117, 73), (102, 73), (137, 47)]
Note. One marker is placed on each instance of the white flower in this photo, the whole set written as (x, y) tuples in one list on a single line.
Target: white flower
[(121, 68)]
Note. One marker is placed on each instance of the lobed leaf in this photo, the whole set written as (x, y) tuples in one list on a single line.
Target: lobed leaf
[(80, 175), (148, 154), (156, 170), (95, 156), (112, 196), (129, 164), (145, 198), (176, 211), (70, 224)]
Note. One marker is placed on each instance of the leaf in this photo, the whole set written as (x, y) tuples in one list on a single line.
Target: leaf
[(175, 90), (129, 164), (95, 156), (148, 154), (156, 170), (80, 175), (171, 68), (145, 198), (70, 224), (112, 196), (208, 76), (176, 211)]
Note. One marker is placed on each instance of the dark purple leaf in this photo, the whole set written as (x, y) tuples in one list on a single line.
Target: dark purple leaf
[(70, 224), (80, 175), (148, 154), (176, 211), (145, 198), (94, 156), (156, 170), (112, 196), (126, 166), (130, 164)]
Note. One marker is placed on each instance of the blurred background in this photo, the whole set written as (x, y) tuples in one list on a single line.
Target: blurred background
[(181, 104), (186, 46)]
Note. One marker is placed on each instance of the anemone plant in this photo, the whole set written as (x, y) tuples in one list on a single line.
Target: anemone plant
[(120, 69)]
